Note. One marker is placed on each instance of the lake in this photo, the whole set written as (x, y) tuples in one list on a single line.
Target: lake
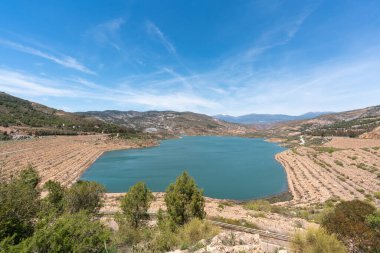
[(225, 167)]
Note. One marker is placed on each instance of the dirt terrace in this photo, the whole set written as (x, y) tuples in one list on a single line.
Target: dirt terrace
[(350, 172), (220, 208), (62, 158)]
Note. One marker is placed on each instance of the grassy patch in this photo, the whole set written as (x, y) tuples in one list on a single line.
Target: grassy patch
[(241, 222), (329, 150)]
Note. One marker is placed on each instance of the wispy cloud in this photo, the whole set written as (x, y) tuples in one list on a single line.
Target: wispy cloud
[(107, 32), (63, 60), (155, 31), (126, 97)]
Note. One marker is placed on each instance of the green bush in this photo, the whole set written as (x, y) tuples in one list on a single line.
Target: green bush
[(184, 200), (135, 204), (348, 222), (19, 205), (196, 230), (84, 195), (76, 232), (259, 205), (316, 240), (55, 198)]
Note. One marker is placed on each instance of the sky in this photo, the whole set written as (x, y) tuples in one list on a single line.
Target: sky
[(206, 56)]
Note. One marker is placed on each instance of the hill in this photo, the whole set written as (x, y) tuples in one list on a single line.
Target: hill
[(171, 122), (27, 117), (361, 122), (266, 118)]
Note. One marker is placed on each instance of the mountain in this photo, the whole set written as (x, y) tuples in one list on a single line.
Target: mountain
[(23, 116), (361, 122), (267, 118), (171, 122)]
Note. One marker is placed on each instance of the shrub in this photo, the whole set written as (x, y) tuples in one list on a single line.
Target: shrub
[(259, 205), (348, 222), (184, 200), (196, 230), (70, 233), (135, 204), (84, 195), (55, 197), (19, 206), (316, 240)]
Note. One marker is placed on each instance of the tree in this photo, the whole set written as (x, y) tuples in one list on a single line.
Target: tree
[(69, 233), (348, 222), (19, 206), (135, 204), (84, 195), (55, 197), (316, 240), (184, 200), (29, 176)]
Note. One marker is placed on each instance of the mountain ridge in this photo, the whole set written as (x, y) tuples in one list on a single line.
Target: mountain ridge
[(257, 118)]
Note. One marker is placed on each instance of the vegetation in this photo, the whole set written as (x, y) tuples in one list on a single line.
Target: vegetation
[(84, 196), (316, 240), (43, 120), (184, 201), (354, 222), (135, 204), (66, 220)]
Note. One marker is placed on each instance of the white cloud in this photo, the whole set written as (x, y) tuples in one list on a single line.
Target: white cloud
[(107, 32), (155, 31), (63, 60)]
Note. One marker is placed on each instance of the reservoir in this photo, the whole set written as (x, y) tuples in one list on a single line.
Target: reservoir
[(225, 167)]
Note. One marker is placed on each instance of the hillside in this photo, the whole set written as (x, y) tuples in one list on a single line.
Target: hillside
[(25, 117), (266, 118), (361, 122), (169, 122)]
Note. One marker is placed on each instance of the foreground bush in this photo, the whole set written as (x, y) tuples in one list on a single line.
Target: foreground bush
[(19, 205), (316, 241), (184, 201), (349, 222), (135, 204), (84, 196), (69, 233)]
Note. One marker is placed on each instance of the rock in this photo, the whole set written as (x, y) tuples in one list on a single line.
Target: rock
[(233, 242)]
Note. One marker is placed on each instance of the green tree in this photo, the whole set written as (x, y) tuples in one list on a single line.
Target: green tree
[(55, 197), (29, 176), (76, 232), (19, 204), (348, 222), (84, 195), (135, 204), (316, 241), (184, 200)]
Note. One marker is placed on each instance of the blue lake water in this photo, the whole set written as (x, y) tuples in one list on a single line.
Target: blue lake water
[(225, 167)]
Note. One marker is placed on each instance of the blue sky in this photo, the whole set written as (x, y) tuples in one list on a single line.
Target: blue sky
[(230, 57)]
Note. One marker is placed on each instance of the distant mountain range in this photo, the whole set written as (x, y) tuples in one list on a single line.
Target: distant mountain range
[(267, 118), (171, 122)]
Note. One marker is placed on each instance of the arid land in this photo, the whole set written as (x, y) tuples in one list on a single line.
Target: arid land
[(62, 158), (342, 168)]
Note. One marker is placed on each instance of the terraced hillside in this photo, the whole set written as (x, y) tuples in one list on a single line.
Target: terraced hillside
[(61, 158), (170, 122), (353, 123), (341, 168)]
